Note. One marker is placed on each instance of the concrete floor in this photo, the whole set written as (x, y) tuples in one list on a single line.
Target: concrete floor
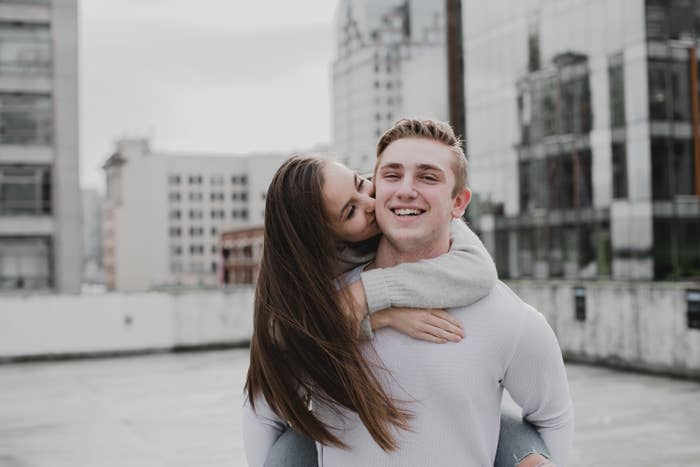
[(184, 410)]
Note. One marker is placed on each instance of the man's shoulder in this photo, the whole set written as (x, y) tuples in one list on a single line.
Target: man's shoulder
[(502, 297)]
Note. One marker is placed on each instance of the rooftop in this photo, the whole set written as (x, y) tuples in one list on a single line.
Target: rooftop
[(183, 409)]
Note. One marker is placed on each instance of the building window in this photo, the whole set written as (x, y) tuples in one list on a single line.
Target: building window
[(376, 85), (176, 267), (174, 196), (216, 180), (244, 179), (194, 179), (26, 118), (175, 231), (25, 190), (175, 214), (176, 250), (217, 213), (213, 231), (196, 231), (619, 172), (196, 249), (195, 214), (244, 196), (672, 163), (174, 179), (214, 267), (213, 249), (244, 214), (25, 49), (25, 263), (617, 91), (196, 196), (216, 196), (676, 248)]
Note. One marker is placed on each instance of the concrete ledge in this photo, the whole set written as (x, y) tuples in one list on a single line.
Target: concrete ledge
[(640, 326), (68, 326)]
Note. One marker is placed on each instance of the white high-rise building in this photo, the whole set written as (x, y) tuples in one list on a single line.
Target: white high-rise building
[(164, 213), (40, 206), (391, 62)]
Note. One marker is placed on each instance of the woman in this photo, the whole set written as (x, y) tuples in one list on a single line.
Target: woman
[(305, 355)]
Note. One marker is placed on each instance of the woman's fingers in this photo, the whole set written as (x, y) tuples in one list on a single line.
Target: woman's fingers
[(442, 333), (424, 336), (446, 323)]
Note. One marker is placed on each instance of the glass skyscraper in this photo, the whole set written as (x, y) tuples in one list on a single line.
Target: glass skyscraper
[(583, 133)]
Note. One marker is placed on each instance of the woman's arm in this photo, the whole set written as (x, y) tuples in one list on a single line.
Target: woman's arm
[(460, 277)]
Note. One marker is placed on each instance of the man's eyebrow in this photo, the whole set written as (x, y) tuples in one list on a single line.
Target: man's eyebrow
[(391, 165), (347, 205), (429, 167)]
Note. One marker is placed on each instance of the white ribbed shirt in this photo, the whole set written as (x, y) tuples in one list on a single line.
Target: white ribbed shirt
[(454, 391)]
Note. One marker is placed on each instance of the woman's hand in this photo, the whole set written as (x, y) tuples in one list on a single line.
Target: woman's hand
[(425, 324)]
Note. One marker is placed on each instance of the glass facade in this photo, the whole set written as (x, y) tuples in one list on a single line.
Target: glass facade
[(579, 125)]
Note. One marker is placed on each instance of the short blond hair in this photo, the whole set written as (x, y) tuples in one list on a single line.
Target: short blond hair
[(434, 130)]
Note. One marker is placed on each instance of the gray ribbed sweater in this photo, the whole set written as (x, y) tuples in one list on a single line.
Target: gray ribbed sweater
[(454, 390)]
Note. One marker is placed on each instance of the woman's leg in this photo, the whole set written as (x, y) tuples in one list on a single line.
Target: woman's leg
[(516, 441), (292, 450)]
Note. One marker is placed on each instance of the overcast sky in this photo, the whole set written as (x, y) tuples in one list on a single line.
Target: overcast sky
[(208, 75)]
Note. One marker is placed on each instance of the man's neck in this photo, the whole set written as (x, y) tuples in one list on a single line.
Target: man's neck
[(390, 254)]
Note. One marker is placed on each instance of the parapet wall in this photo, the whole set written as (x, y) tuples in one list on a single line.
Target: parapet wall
[(69, 325), (636, 325)]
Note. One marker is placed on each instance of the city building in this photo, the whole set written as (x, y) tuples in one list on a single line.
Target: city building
[(241, 251), (583, 133), (390, 61), (92, 236), (164, 213), (40, 207)]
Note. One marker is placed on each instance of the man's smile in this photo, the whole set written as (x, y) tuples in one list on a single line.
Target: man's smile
[(403, 212)]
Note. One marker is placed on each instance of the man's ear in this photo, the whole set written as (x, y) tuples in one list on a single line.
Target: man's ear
[(460, 203)]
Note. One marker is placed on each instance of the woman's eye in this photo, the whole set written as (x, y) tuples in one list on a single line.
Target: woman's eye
[(430, 178), (351, 212)]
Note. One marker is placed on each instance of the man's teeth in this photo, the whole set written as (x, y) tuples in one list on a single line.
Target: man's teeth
[(407, 212)]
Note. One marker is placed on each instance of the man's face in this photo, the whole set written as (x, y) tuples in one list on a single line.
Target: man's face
[(414, 184)]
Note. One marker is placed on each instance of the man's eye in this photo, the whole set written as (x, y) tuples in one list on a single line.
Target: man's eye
[(390, 175)]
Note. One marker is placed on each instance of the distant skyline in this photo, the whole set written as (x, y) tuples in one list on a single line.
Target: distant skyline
[(213, 75)]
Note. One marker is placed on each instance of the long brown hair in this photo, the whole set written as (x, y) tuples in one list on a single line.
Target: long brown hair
[(303, 345)]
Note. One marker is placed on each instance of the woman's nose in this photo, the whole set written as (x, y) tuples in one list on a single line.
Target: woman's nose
[(369, 204)]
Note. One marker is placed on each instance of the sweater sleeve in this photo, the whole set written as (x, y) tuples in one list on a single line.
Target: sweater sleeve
[(261, 428), (536, 380), (460, 277)]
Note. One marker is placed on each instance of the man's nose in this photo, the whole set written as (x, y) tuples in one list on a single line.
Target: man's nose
[(406, 189)]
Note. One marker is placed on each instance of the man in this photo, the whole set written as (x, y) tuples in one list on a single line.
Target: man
[(453, 390)]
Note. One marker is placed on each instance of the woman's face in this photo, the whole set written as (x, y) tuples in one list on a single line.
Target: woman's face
[(349, 203)]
